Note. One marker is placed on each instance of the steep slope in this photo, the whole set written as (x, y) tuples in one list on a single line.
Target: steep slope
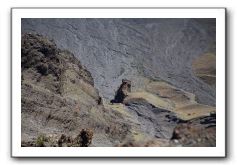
[(159, 109), (161, 58), (59, 98), (114, 49)]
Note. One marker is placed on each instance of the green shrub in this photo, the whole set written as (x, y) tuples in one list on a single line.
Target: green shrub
[(40, 141)]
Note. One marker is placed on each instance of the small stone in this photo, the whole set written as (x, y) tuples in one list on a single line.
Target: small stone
[(176, 141)]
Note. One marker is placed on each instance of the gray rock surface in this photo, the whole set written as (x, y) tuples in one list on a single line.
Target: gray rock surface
[(156, 122), (113, 49)]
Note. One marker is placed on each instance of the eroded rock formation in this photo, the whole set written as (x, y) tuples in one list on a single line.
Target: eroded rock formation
[(122, 92)]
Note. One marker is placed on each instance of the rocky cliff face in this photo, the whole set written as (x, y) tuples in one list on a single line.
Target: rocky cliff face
[(114, 49), (59, 98), (167, 85), (122, 92)]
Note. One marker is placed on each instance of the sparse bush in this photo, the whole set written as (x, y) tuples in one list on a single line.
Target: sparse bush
[(84, 139), (42, 68), (61, 140), (40, 141), (100, 101)]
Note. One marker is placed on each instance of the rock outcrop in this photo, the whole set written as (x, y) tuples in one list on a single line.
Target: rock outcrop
[(58, 97), (196, 133), (122, 92)]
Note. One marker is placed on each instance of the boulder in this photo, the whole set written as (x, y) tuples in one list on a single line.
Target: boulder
[(122, 92)]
